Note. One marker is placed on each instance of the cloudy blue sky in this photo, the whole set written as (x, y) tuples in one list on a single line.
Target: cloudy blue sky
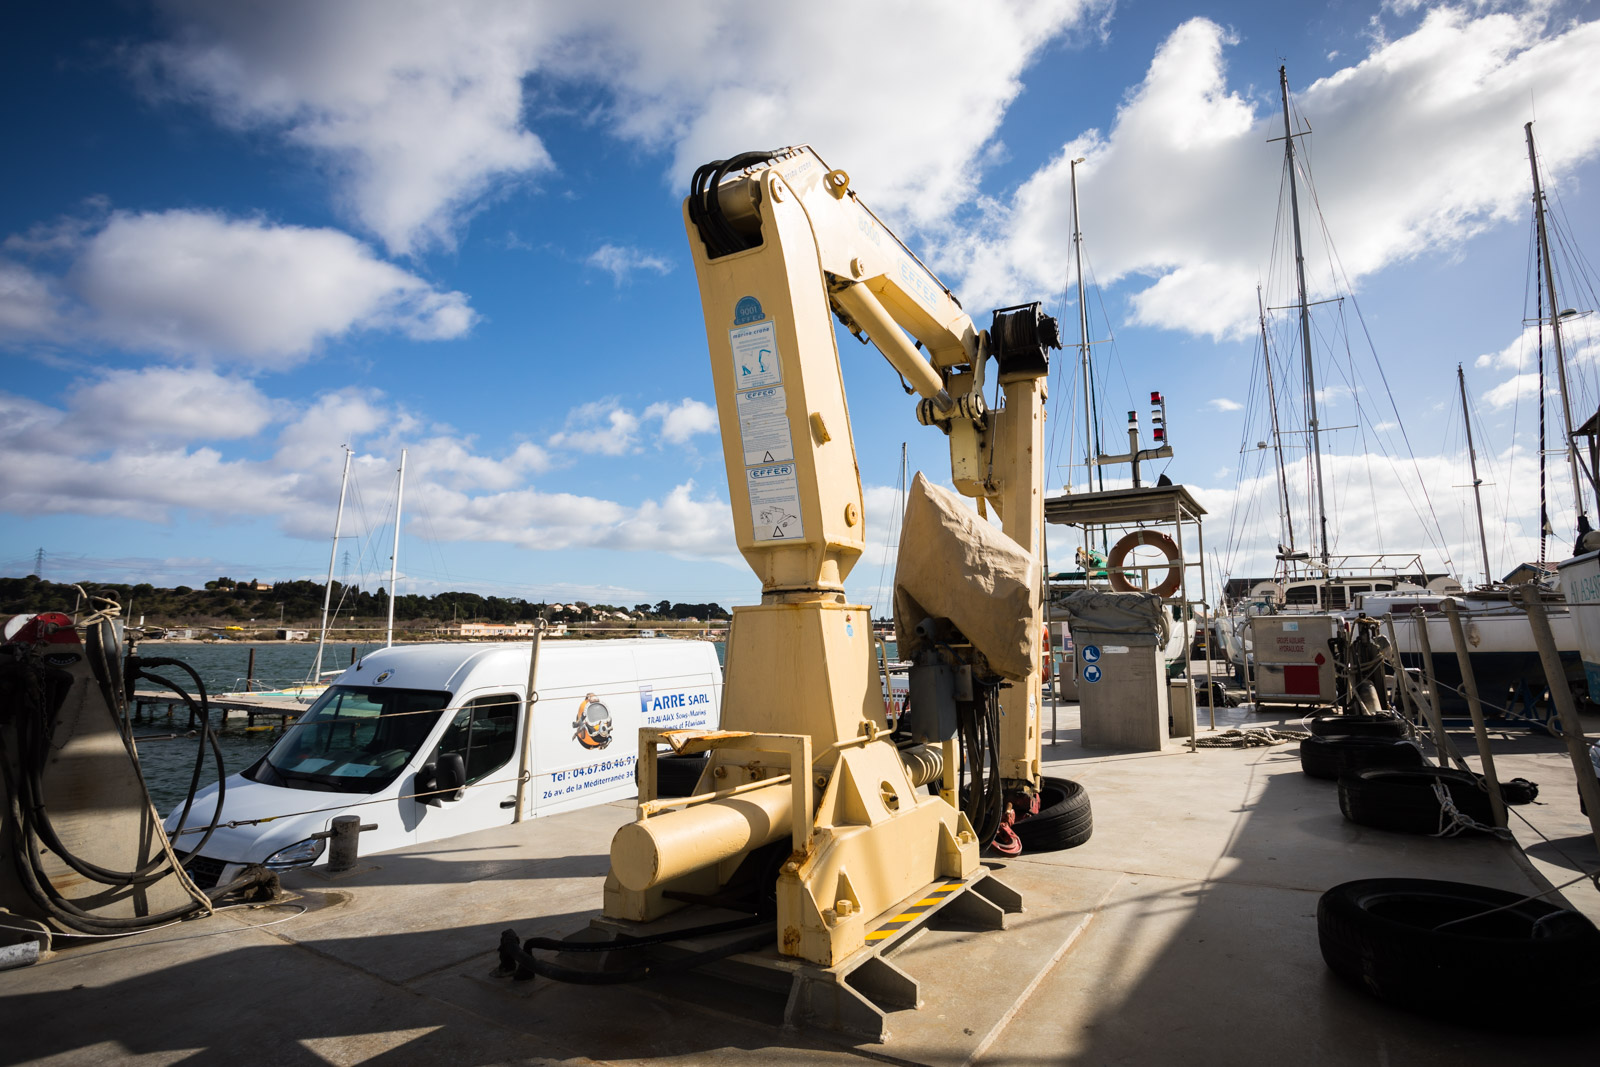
[(236, 238)]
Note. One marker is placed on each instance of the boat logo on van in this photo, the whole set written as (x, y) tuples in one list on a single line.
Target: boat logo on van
[(592, 727), (384, 677)]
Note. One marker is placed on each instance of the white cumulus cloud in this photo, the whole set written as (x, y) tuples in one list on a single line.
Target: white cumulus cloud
[(422, 109), (683, 420), (1417, 146), (206, 286), (621, 262)]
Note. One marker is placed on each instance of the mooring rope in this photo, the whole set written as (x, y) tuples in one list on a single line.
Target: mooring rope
[(1259, 737)]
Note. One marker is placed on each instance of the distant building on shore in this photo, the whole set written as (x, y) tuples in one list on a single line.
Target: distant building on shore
[(507, 629), (293, 635)]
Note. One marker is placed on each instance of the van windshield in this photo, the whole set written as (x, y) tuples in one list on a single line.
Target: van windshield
[(354, 739)]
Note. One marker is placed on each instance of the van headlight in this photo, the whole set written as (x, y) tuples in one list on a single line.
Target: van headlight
[(300, 854)]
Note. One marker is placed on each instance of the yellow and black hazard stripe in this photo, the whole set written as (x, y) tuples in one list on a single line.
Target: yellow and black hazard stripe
[(914, 912)]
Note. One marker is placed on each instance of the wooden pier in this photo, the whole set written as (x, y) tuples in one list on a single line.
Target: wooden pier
[(253, 707)]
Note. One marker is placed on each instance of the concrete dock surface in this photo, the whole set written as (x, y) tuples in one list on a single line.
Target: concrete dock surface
[(1183, 931)]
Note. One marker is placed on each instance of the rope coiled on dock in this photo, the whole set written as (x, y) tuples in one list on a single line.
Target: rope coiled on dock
[(1260, 737)]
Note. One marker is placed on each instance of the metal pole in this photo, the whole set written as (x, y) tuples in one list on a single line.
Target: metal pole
[(1083, 368), (333, 558), (394, 553), (1401, 678), (1555, 322), (1571, 726), (1431, 704), (529, 700), (1211, 697), (1305, 316), (1480, 733), (1477, 483), (1284, 515)]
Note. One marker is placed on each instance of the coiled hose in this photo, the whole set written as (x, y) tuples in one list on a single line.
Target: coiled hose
[(36, 693)]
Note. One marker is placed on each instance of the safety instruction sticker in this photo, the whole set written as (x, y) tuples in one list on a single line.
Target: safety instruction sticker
[(775, 502), (764, 426), (755, 355)]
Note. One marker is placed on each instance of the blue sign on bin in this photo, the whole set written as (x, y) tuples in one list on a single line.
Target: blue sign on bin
[(1091, 673), (1091, 653)]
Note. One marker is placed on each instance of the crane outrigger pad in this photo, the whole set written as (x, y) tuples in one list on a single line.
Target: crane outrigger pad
[(856, 996)]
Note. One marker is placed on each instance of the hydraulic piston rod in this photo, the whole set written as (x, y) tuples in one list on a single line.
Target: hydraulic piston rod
[(651, 851), (871, 316)]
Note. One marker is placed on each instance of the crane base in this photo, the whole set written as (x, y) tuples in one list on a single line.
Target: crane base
[(857, 996)]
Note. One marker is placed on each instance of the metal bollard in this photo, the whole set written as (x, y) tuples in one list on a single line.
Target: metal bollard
[(344, 841)]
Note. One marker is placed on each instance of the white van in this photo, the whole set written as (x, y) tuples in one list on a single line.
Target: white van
[(429, 718)]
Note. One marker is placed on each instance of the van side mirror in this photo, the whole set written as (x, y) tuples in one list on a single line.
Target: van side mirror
[(443, 779), (452, 776)]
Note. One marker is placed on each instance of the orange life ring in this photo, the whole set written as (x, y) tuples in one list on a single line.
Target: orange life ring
[(1154, 539), (1045, 671)]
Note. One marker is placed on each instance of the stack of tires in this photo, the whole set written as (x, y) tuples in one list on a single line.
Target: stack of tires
[(1411, 941), (1336, 724), (1338, 757), (1408, 801)]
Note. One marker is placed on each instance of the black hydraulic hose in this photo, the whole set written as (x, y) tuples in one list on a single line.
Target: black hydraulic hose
[(34, 738), (625, 942), (526, 965), (30, 870), (705, 208), (30, 814), (204, 712)]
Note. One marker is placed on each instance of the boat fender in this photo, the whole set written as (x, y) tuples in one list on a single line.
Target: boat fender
[(1154, 539)]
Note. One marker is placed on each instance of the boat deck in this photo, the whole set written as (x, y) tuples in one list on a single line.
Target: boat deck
[(1183, 931)]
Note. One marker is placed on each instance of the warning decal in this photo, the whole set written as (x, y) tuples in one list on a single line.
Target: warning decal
[(775, 502), (755, 355), (764, 426)]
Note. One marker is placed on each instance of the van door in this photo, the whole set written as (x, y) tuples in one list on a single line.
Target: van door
[(484, 731)]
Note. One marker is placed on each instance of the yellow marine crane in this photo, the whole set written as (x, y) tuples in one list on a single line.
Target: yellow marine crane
[(782, 246)]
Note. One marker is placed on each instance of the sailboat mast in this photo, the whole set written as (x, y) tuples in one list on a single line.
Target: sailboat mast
[(333, 558), (1305, 317), (1277, 441), (1555, 326), (1477, 483), (394, 553), (1083, 335)]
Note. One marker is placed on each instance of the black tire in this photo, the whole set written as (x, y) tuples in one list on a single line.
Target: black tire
[(1334, 757), (1064, 820), (676, 776), (1333, 724), (1404, 801), (1382, 935)]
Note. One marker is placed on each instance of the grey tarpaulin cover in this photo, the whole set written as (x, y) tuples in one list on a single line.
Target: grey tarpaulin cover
[(1118, 613), (954, 565)]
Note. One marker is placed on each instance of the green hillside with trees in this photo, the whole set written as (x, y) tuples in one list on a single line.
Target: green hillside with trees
[(298, 604)]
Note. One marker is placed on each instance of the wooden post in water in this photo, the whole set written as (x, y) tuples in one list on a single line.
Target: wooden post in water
[(1431, 705), (1480, 733), (250, 672), (1571, 727)]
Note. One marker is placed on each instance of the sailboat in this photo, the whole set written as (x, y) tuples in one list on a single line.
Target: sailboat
[(1310, 579), (1579, 574), (1505, 661)]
